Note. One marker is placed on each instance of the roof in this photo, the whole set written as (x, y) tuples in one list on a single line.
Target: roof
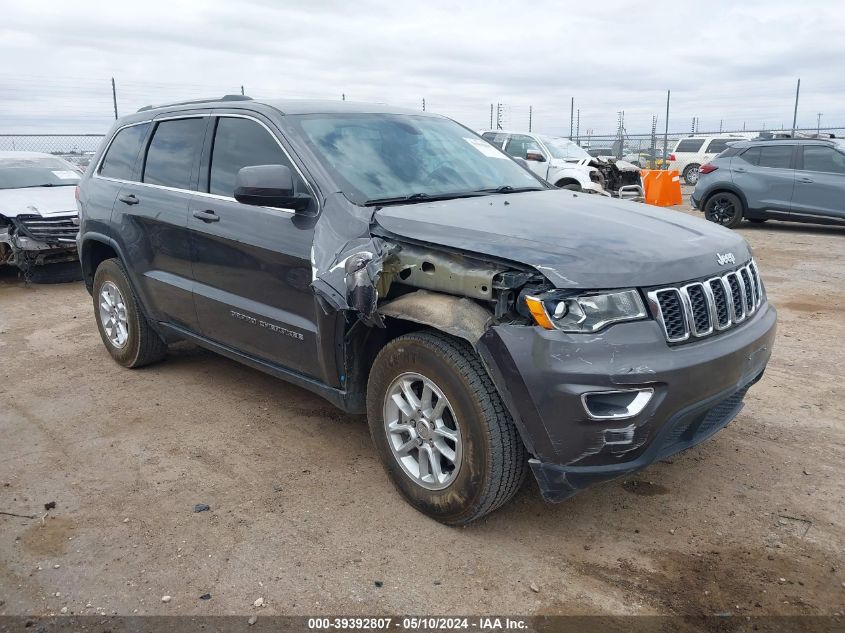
[(291, 106)]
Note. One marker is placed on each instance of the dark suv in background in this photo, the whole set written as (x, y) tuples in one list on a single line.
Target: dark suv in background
[(398, 265), (798, 180)]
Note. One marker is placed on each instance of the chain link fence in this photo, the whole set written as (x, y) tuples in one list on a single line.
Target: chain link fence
[(75, 148)]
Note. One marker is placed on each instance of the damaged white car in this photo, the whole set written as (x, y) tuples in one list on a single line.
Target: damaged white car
[(38, 216), (566, 165)]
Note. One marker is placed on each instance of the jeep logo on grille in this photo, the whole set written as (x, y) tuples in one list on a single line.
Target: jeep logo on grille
[(727, 258)]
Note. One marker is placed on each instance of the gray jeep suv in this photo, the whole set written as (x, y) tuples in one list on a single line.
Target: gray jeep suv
[(398, 265), (798, 180)]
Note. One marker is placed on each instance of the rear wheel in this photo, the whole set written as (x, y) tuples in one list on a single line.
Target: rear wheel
[(691, 174), (724, 208), (441, 430), (124, 329)]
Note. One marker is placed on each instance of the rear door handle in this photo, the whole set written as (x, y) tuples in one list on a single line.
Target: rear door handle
[(129, 198), (806, 179), (207, 216), (740, 170)]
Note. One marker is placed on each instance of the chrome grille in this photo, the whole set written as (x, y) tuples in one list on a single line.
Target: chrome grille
[(699, 309), (55, 228)]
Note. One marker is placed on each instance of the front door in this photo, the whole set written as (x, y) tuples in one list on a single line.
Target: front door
[(820, 183), (251, 265)]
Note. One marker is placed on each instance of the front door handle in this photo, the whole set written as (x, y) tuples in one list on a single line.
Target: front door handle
[(806, 179), (207, 216), (129, 198)]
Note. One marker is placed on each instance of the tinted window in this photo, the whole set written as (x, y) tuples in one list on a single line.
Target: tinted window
[(691, 145), (172, 152), (497, 138), (518, 145), (121, 155), (820, 158), (240, 143), (719, 144), (778, 156), (751, 155)]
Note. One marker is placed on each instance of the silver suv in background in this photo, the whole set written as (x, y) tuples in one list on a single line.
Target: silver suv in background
[(798, 180), (692, 152)]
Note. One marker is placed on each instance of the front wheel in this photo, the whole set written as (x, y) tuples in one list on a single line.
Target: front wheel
[(441, 430), (124, 329), (724, 208)]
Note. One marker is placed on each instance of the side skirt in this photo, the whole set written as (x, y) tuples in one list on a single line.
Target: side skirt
[(348, 402)]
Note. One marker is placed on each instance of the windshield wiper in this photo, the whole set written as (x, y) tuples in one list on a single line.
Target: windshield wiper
[(510, 189), (420, 197)]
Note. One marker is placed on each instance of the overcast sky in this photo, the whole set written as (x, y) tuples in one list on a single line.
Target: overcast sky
[(730, 62)]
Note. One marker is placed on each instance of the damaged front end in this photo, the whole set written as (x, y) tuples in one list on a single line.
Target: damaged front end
[(28, 241), (617, 178)]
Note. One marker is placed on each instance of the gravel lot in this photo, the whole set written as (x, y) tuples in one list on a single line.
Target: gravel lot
[(301, 514)]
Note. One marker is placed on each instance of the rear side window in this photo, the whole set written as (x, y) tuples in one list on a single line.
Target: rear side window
[(496, 138), (690, 145), (240, 143), (173, 152), (823, 159), (776, 156), (121, 155), (719, 145)]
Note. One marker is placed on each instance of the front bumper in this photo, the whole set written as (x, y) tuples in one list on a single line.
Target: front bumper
[(698, 389)]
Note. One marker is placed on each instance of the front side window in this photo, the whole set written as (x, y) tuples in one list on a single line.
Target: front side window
[(564, 149), (519, 145), (823, 159), (775, 156), (240, 143), (120, 157), (173, 151), (36, 171), (378, 156), (690, 145)]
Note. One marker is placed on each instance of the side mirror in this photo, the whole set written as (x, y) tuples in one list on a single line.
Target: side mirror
[(269, 186), (533, 154)]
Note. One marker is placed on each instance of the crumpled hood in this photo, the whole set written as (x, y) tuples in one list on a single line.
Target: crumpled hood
[(576, 240), (37, 200)]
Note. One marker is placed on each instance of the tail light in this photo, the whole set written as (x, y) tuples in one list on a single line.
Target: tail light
[(707, 168), (672, 157)]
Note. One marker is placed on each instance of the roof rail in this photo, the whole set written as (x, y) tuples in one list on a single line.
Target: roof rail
[(194, 101)]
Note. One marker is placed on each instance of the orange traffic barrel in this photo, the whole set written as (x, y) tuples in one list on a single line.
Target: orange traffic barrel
[(662, 187)]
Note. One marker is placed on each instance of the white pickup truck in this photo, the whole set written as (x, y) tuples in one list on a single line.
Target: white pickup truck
[(564, 164)]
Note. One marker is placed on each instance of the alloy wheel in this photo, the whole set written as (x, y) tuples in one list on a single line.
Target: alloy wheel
[(113, 315), (722, 210), (422, 431)]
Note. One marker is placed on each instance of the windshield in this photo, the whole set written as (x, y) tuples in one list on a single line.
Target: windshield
[(564, 148), (36, 171), (379, 157)]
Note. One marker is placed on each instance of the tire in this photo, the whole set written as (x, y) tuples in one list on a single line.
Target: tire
[(571, 186), (757, 220), (491, 460), (142, 345), (691, 174), (61, 273), (724, 208)]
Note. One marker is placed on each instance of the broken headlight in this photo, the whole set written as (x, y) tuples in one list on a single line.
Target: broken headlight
[(589, 312)]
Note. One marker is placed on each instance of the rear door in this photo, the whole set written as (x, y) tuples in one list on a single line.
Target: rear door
[(152, 225), (765, 175), (252, 265), (820, 182)]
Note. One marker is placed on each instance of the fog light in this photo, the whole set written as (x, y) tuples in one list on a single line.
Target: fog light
[(616, 405)]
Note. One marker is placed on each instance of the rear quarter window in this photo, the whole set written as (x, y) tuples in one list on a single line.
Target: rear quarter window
[(689, 145), (495, 138), (719, 145), (121, 154)]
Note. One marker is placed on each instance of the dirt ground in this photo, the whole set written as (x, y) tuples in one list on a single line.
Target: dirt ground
[(750, 522)]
